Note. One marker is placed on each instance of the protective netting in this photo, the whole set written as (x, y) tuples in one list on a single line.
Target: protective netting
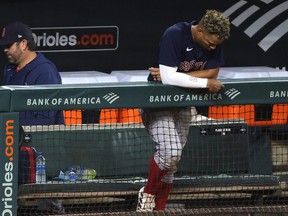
[(232, 161)]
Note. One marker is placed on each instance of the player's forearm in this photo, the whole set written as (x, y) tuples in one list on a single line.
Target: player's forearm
[(170, 76), (209, 73)]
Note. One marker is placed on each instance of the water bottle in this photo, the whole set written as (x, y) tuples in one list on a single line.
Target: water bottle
[(40, 168), (86, 174)]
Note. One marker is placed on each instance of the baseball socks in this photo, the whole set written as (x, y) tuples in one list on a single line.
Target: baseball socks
[(162, 195), (146, 197), (154, 177)]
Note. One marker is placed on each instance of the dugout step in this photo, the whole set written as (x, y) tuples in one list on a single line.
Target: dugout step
[(227, 180)]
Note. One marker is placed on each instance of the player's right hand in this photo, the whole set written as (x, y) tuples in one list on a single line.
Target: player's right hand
[(155, 72), (214, 85)]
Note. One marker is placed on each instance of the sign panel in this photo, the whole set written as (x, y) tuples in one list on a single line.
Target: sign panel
[(9, 136), (65, 39), (145, 95)]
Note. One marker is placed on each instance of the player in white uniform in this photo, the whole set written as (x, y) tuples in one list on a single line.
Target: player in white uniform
[(190, 56)]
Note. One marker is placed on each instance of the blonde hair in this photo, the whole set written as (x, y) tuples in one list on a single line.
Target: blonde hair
[(215, 23)]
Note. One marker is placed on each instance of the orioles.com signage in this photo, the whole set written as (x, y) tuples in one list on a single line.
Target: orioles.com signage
[(9, 163), (65, 39)]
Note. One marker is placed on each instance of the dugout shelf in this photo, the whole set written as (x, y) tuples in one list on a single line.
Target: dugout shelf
[(102, 188)]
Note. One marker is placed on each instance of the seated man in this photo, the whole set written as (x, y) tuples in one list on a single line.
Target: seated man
[(28, 67)]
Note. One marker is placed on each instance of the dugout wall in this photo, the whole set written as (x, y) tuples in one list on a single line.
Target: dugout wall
[(120, 151), (9, 133)]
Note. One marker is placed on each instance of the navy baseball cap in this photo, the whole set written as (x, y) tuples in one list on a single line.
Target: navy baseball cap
[(15, 32)]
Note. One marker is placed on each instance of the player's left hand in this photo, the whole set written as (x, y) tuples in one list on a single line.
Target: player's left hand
[(155, 72)]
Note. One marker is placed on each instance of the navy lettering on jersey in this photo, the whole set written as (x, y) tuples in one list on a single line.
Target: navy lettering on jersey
[(193, 65)]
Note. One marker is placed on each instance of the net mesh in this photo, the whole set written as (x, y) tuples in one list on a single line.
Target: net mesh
[(234, 161)]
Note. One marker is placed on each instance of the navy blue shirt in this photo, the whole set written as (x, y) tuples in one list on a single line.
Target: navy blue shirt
[(178, 49), (38, 72)]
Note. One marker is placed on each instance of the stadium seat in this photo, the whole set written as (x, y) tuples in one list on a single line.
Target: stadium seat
[(72, 117), (129, 115), (280, 114), (226, 112), (248, 113), (108, 116), (120, 116)]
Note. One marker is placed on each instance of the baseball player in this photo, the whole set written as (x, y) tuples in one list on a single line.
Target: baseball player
[(190, 55)]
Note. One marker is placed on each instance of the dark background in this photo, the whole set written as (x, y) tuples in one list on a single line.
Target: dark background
[(141, 24)]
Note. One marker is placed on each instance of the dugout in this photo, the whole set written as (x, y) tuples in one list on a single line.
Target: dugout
[(109, 138), (120, 155), (120, 152)]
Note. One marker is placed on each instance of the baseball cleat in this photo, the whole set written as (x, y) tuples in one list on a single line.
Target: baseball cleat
[(146, 202)]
